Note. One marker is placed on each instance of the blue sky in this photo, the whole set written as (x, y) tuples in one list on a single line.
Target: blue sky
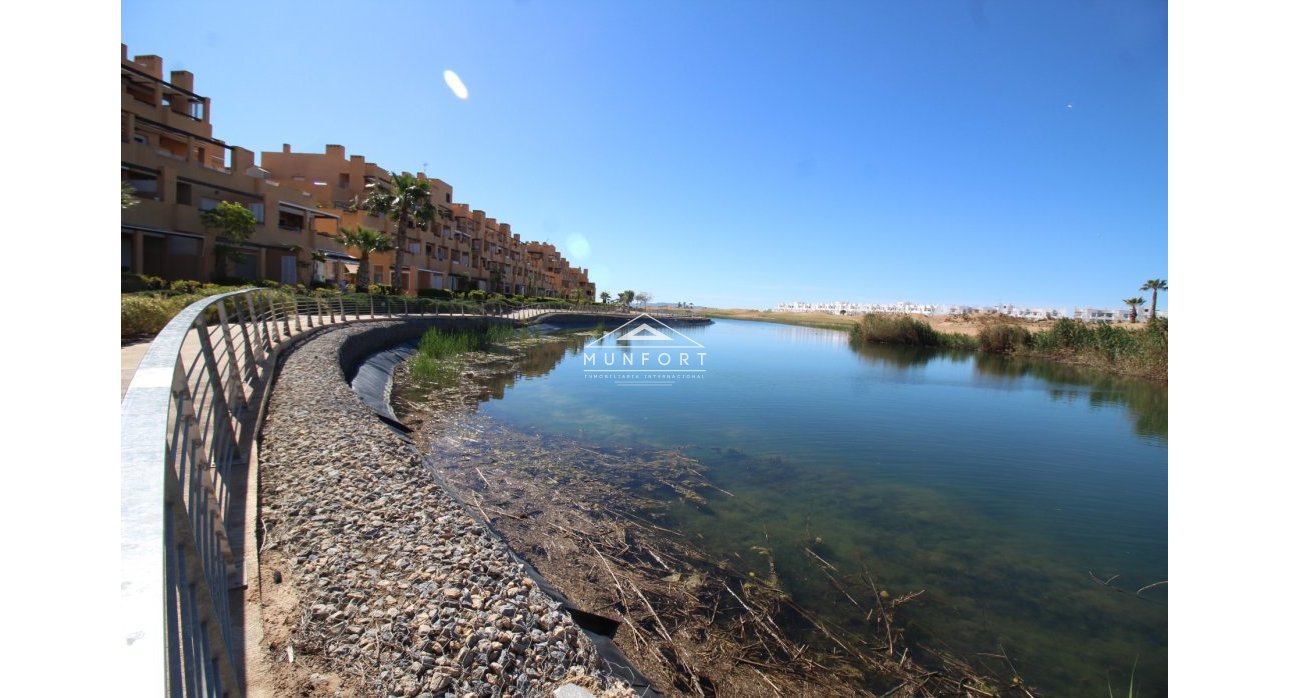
[(737, 154)]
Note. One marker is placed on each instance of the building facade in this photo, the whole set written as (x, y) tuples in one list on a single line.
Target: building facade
[(301, 201), (177, 169)]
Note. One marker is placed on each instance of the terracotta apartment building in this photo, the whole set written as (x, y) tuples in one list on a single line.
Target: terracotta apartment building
[(177, 168)]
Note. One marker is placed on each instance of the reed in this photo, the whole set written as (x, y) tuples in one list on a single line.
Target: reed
[(1143, 352), (438, 347), (875, 328), (1004, 339)]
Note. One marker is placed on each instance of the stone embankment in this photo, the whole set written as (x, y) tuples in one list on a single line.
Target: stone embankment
[(374, 580)]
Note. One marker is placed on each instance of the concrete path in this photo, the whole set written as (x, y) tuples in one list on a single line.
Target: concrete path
[(131, 355)]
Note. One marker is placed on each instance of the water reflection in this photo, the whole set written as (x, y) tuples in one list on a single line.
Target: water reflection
[(539, 359), (1147, 401), (997, 485)]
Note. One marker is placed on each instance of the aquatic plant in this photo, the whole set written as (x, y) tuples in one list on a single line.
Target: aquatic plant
[(876, 328), (1003, 339), (1132, 691), (437, 347)]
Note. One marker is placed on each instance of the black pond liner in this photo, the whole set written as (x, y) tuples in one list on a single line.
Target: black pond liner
[(372, 382)]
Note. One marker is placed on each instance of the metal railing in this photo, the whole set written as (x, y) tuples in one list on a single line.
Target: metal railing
[(188, 421)]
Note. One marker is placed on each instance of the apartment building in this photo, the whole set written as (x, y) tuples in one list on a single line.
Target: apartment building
[(339, 182), (555, 275), (177, 169), (463, 249)]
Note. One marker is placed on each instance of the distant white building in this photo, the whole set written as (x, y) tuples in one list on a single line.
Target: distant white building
[(910, 308), (1101, 315)]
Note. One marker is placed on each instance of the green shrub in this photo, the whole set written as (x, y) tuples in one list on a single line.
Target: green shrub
[(131, 283), (380, 289), (144, 315), (435, 293), (186, 286), (1003, 339), (476, 295)]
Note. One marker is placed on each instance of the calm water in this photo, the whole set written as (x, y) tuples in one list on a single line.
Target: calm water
[(995, 485)]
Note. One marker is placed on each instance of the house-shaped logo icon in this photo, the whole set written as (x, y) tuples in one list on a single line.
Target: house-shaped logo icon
[(644, 351), (646, 329)]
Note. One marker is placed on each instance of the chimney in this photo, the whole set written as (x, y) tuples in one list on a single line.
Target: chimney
[(286, 148), (150, 65), (182, 78), (336, 150)]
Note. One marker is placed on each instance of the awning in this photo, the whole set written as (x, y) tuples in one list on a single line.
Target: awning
[(338, 256), (351, 268)]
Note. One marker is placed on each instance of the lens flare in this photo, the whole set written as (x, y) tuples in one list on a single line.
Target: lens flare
[(579, 247), (455, 84)]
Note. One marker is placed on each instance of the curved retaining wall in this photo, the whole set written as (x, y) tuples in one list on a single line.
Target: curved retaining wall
[(399, 582)]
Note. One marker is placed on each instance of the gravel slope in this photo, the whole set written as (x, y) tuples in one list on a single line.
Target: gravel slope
[(374, 581)]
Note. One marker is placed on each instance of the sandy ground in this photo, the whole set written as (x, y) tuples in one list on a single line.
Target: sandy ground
[(969, 325)]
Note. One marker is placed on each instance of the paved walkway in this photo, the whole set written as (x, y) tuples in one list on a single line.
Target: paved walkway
[(131, 355)]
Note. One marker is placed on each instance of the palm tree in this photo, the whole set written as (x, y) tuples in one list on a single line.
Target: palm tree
[(366, 241), (1133, 304), (407, 201), (1155, 286), (604, 297), (627, 297)]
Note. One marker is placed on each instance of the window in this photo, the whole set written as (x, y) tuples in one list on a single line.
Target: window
[(344, 180), (140, 138), (143, 183), (184, 193), (289, 219), (189, 247)]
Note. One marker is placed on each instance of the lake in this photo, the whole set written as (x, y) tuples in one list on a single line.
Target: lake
[(1026, 500)]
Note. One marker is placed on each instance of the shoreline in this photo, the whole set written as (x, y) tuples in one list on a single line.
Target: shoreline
[(373, 579), (575, 512), (970, 326)]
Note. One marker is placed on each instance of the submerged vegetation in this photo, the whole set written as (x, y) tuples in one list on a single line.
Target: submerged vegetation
[(1107, 347), (598, 522)]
